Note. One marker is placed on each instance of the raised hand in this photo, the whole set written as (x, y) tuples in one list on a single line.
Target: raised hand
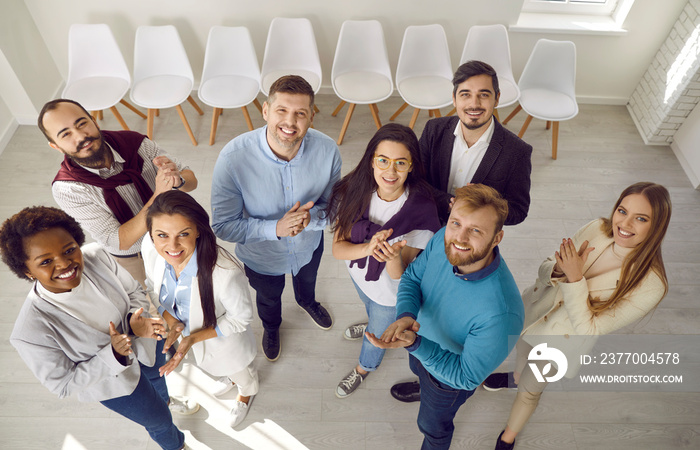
[(394, 331), (404, 339), (294, 220), (121, 344), (147, 327), (376, 240), (385, 252), (182, 349), (173, 334), (571, 261)]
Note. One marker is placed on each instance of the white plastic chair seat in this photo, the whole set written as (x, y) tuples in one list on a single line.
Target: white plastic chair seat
[(162, 91), (270, 77), (97, 93), (426, 92), (362, 87), (548, 105), (229, 91), (509, 92)]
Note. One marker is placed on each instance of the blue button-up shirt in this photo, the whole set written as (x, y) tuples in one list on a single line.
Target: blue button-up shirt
[(176, 293), (252, 189)]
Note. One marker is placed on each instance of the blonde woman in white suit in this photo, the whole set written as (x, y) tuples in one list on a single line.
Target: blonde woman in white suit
[(203, 296), (609, 275)]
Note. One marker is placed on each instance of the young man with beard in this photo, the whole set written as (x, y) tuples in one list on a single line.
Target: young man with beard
[(459, 311), (269, 189), (474, 147), (108, 179)]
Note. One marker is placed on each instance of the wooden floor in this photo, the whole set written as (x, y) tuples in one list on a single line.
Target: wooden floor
[(600, 153)]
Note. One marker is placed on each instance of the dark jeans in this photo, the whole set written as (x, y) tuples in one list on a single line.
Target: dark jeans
[(438, 405), (268, 290), (148, 405)]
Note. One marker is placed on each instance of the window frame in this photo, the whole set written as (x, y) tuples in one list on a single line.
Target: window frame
[(607, 8)]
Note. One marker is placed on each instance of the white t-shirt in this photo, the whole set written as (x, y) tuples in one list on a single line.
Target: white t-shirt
[(384, 290), (465, 159)]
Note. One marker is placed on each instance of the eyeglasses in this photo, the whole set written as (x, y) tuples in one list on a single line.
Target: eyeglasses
[(401, 165)]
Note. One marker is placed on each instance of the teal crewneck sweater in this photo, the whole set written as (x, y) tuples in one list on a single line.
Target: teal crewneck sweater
[(468, 323)]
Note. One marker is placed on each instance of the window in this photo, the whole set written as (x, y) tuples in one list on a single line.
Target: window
[(603, 17), (586, 7)]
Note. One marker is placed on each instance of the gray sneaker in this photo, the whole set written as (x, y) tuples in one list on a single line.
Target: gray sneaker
[(355, 331), (349, 384)]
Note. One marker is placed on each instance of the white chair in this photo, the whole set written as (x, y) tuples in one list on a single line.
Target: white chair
[(361, 73), (424, 71), (489, 43), (290, 50), (97, 74), (547, 86), (162, 74), (231, 74)]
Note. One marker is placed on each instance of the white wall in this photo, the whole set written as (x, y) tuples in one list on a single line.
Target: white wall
[(29, 74), (609, 67), (686, 145)]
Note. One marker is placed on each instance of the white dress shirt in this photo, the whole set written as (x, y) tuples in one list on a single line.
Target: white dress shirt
[(465, 159)]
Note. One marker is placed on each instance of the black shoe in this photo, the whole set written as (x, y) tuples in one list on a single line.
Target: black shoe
[(498, 381), (406, 392), (320, 315), (500, 445), (271, 344)]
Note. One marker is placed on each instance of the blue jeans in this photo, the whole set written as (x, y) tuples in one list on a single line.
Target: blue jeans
[(380, 317), (148, 405), (438, 405), (268, 290)]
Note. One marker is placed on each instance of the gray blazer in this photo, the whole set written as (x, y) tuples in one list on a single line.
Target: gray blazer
[(70, 357)]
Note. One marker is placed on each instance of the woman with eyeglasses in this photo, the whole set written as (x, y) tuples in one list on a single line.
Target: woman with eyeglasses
[(383, 215)]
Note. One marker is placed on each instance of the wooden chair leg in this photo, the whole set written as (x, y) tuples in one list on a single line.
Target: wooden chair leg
[(495, 113), (214, 122), (158, 112), (555, 139), (195, 105), (398, 111), (436, 113), (346, 122), (149, 122), (452, 111), (131, 107), (316, 110), (101, 115), (95, 115), (186, 124), (511, 115), (430, 113), (337, 110), (548, 125), (525, 125), (257, 105), (247, 118), (119, 117), (414, 117), (375, 115)]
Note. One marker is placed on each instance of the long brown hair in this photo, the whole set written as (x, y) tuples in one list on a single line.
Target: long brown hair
[(646, 256), (177, 202), (351, 195)]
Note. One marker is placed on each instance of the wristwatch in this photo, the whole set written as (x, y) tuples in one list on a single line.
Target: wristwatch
[(182, 183)]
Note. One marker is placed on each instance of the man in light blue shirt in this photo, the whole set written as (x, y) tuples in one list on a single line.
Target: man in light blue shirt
[(269, 189)]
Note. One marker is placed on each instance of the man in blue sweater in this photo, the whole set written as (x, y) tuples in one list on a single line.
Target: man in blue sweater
[(459, 311)]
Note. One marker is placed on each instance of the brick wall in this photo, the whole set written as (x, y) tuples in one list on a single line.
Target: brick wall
[(670, 88)]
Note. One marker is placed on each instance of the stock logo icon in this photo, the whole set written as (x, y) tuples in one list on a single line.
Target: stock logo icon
[(543, 353)]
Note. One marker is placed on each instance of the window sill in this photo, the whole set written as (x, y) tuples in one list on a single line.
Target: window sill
[(567, 24)]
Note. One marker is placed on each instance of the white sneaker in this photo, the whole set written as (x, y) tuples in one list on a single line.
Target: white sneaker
[(240, 411), (222, 386), (183, 405)]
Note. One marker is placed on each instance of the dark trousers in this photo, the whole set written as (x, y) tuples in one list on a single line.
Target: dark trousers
[(148, 405), (268, 290), (438, 405)]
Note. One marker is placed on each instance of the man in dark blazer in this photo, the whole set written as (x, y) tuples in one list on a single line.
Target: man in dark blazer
[(490, 154)]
